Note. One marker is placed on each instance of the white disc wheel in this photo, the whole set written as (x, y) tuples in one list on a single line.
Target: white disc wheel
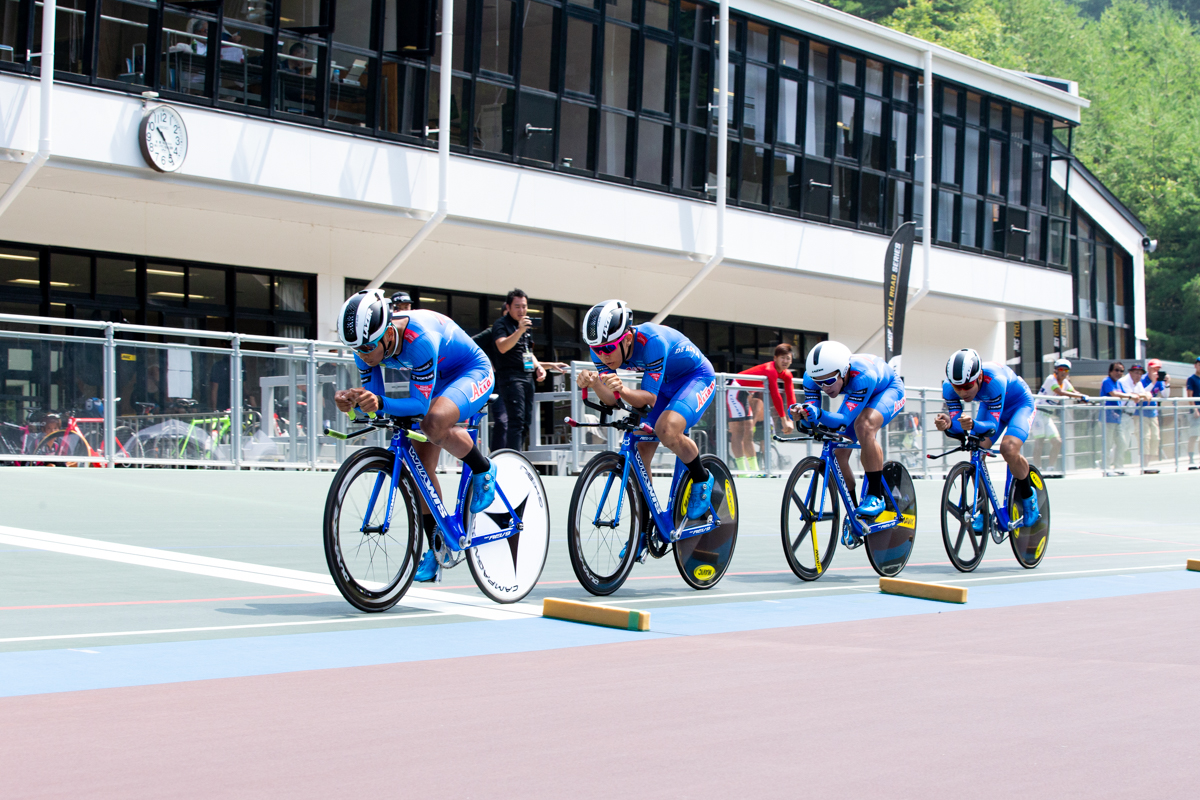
[(506, 570)]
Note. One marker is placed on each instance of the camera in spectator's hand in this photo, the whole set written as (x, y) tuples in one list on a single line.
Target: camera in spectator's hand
[(535, 322), (1162, 375)]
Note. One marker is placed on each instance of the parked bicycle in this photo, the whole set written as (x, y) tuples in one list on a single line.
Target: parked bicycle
[(372, 530), (811, 521), (970, 517), (615, 521)]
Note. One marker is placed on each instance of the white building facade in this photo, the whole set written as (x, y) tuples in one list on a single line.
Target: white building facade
[(583, 166)]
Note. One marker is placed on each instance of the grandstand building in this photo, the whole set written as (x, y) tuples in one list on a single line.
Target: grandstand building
[(583, 164)]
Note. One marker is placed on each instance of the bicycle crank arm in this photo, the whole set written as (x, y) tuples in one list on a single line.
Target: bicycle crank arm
[(699, 530)]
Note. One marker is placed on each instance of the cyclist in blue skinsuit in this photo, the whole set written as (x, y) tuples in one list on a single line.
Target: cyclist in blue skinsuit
[(677, 381), (451, 379), (1006, 405), (874, 396)]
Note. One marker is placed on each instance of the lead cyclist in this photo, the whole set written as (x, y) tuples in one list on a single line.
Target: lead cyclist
[(451, 380)]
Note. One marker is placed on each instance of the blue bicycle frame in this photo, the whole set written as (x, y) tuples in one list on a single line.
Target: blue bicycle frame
[(661, 517), (451, 525), (833, 468), (1003, 521)]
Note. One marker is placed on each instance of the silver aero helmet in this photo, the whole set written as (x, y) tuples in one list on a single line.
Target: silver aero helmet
[(1062, 363), (826, 359), (606, 322), (364, 318), (964, 367)]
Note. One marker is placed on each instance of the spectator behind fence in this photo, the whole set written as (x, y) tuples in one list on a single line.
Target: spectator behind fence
[(1045, 430), (517, 366), (1193, 390), (1156, 383), (402, 301), (1117, 391)]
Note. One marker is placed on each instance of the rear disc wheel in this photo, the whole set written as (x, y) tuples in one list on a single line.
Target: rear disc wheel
[(889, 550), (506, 570), (1029, 544), (702, 560)]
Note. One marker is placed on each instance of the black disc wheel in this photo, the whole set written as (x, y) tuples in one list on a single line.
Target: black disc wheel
[(702, 560), (962, 500), (372, 556), (1029, 544), (810, 519), (604, 525), (888, 550)]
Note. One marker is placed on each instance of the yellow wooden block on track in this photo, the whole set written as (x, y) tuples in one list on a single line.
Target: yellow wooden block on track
[(574, 611), (924, 591), (1194, 564)]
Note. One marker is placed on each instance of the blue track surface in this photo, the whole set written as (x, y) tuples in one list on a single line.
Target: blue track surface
[(41, 672)]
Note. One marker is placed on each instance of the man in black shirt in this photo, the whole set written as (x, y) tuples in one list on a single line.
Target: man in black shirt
[(516, 366)]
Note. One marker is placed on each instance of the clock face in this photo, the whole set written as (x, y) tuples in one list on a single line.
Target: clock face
[(164, 139)]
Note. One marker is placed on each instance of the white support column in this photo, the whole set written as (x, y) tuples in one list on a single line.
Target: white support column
[(49, 15)]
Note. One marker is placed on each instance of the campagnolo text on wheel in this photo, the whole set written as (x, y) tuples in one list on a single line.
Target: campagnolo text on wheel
[(971, 511), (616, 518), (386, 504), (818, 487)]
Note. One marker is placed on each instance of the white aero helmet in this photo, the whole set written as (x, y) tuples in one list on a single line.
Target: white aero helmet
[(606, 322), (364, 318), (964, 367), (826, 359), (1062, 363)]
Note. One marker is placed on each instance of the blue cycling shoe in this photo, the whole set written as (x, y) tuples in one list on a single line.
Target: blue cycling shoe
[(483, 489), (427, 570), (977, 522), (871, 506), (700, 498), (1032, 513)]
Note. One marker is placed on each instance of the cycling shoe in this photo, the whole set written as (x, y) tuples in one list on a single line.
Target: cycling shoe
[(483, 489), (427, 570), (871, 506), (977, 522), (1032, 513), (698, 502)]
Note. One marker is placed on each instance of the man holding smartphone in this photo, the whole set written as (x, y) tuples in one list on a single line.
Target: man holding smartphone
[(516, 366)]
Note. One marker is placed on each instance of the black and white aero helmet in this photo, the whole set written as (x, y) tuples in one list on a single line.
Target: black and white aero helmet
[(364, 318), (964, 367), (606, 322)]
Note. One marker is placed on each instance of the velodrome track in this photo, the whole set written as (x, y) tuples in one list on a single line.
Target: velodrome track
[(175, 633)]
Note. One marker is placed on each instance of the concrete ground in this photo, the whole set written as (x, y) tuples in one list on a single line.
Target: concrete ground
[(187, 617)]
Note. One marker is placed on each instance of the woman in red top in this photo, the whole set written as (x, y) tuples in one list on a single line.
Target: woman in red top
[(745, 409)]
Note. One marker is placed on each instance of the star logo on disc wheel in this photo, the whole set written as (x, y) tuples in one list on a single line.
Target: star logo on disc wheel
[(504, 520)]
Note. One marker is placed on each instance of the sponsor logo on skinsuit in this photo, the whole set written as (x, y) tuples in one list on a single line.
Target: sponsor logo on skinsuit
[(899, 405), (704, 572), (851, 406), (641, 338), (702, 397), (425, 389), (410, 334), (655, 375), (480, 388)]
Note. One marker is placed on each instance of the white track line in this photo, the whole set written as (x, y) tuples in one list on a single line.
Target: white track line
[(424, 599), (362, 618)]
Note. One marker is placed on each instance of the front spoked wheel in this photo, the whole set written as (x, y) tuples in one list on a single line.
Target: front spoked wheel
[(601, 542), (889, 550), (962, 500), (507, 569), (371, 556), (702, 560), (809, 522), (1029, 544)]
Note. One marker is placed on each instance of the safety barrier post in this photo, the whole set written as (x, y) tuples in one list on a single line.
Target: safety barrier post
[(924, 436), (1141, 440), (1175, 425), (722, 426), (235, 402), (576, 414), (766, 401), (313, 408), (1104, 439), (110, 395)]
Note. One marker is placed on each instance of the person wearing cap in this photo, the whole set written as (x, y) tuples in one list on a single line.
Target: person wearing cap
[(1137, 373), (1119, 394), (1193, 390), (1056, 386), (401, 301), (1156, 384)]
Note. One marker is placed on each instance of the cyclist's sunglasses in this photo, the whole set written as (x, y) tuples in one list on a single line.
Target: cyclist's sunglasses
[(828, 381), (605, 348), (364, 349)]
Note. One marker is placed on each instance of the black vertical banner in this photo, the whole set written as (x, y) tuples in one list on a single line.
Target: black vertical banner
[(895, 292)]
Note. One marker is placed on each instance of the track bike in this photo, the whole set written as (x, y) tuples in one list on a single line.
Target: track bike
[(963, 502), (811, 521), (372, 529), (616, 519), (88, 446)]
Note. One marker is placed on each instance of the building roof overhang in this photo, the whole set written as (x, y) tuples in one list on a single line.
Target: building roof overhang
[(837, 26)]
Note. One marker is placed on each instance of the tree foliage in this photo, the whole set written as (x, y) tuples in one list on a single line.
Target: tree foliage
[(1138, 61)]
